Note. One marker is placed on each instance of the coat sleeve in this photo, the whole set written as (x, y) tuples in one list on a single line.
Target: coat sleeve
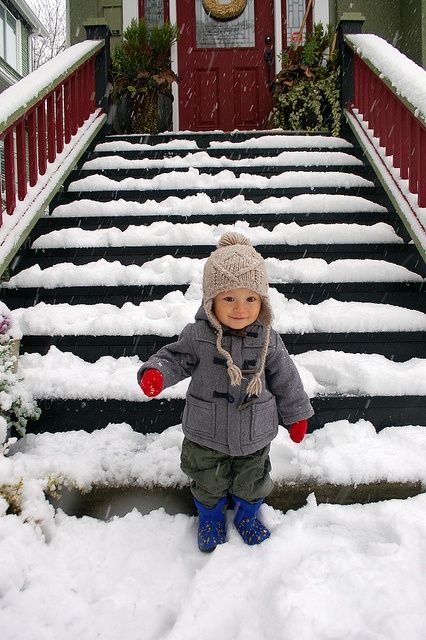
[(284, 383), (176, 361)]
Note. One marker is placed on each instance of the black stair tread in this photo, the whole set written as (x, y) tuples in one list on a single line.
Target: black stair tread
[(259, 170), (404, 254), (233, 136), (395, 345), (267, 220), (400, 294), (256, 195), (155, 416)]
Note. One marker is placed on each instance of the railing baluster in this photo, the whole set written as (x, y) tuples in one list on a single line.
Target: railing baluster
[(9, 163), (59, 105), (41, 138), (21, 160), (413, 171), (422, 167), (32, 147), (67, 110), (51, 128)]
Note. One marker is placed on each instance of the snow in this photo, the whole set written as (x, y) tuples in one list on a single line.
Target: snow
[(168, 316), (189, 270), (201, 203), (167, 233), (406, 77), (194, 179), (262, 142), (60, 374), (142, 576), (203, 159)]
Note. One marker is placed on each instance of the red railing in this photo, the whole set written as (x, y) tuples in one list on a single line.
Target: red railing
[(400, 132), (33, 140)]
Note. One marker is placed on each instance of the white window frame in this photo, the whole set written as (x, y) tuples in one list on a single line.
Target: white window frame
[(7, 13)]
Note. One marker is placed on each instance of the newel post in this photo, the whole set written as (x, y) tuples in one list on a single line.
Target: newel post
[(349, 23), (97, 29)]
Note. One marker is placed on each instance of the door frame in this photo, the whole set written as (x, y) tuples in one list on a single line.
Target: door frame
[(174, 53)]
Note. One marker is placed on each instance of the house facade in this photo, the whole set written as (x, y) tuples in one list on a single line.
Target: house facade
[(229, 50), (18, 24)]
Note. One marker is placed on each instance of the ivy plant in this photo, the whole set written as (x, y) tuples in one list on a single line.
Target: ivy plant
[(307, 90)]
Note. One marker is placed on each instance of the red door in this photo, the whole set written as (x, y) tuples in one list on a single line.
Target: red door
[(223, 74)]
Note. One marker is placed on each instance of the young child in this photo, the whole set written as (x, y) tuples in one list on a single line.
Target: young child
[(242, 382)]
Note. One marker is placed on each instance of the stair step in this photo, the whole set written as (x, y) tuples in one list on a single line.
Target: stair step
[(402, 254), (403, 294), (259, 170), (394, 345), (202, 138), (216, 195), (267, 220), (155, 416)]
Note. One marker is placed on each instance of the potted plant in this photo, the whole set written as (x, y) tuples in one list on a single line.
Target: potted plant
[(306, 90), (16, 403), (142, 72)]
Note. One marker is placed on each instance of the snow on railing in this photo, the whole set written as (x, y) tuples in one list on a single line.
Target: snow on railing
[(41, 114), (390, 95)]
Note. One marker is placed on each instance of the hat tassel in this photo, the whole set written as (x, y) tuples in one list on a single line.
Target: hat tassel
[(234, 373), (254, 387)]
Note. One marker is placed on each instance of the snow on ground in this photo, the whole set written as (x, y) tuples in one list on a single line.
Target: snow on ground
[(168, 316), (201, 203), (142, 576), (195, 179), (168, 233), (189, 270), (327, 571), (203, 159)]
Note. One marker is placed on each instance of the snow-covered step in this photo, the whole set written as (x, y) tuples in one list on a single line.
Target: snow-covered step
[(354, 378), (118, 166), (252, 146), (203, 204), (170, 233), (195, 179), (170, 270), (64, 375), (168, 316), (397, 253)]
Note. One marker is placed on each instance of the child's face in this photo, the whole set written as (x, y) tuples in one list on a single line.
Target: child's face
[(237, 308)]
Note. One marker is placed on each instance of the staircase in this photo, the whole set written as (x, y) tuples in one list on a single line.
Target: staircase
[(345, 277)]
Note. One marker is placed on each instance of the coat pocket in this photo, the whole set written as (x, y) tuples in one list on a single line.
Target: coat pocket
[(264, 420), (199, 417)]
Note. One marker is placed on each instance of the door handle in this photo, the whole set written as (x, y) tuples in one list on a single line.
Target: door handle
[(268, 56)]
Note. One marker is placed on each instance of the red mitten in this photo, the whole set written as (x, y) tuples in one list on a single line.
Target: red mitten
[(298, 430), (152, 382)]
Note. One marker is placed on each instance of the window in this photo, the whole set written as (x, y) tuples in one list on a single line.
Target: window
[(8, 37), (295, 12)]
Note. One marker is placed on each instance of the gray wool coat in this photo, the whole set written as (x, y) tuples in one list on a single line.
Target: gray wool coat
[(218, 415)]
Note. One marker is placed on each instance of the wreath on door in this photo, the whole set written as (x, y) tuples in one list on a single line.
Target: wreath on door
[(228, 11)]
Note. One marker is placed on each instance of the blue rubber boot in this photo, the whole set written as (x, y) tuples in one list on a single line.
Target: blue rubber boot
[(211, 525), (248, 526)]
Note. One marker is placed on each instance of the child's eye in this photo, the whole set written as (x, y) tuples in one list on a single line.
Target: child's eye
[(229, 299), (252, 299)]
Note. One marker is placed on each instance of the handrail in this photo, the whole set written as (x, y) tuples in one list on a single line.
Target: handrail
[(41, 114), (397, 120)]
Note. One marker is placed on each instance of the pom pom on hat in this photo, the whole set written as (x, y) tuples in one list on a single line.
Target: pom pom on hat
[(231, 238)]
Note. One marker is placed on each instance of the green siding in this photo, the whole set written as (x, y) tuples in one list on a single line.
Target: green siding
[(25, 50), (400, 22)]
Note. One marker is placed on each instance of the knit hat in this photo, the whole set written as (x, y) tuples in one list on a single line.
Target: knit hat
[(237, 265)]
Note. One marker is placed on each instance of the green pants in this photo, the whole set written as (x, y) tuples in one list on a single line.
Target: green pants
[(213, 474)]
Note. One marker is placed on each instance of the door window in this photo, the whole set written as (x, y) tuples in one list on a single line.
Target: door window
[(220, 34), (295, 13)]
